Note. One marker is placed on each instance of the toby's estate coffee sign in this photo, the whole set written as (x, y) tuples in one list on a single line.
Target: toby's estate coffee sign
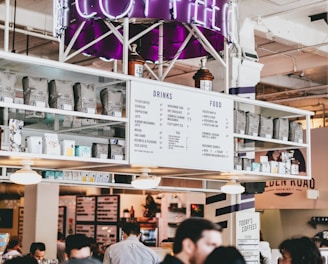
[(211, 16)]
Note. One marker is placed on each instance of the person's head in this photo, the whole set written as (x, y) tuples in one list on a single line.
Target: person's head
[(324, 243), (60, 236), (78, 246), (13, 244), (195, 239), (300, 250), (38, 250), (225, 255), (22, 260), (131, 228)]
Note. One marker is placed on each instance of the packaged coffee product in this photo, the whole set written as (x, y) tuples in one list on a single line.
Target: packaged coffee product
[(117, 152), (203, 77), (51, 144), (238, 165), (136, 63), (239, 121), (280, 128), (265, 166), (295, 132), (34, 144), (61, 95), (101, 151), (266, 127), (35, 92), (252, 124), (85, 98), (112, 102), (15, 135), (7, 87), (247, 164), (67, 147), (83, 151)]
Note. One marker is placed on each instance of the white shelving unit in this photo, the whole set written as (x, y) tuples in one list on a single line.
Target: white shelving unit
[(183, 138)]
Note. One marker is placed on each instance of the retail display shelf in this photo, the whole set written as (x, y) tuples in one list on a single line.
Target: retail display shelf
[(59, 162), (63, 112), (157, 127), (262, 144), (257, 175)]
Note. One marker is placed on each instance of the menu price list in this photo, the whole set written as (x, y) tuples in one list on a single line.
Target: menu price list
[(249, 249), (62, 220), (85, 208), (107, 208), (106, 234), (88, 230), (20, 221), (181, 128), (247, 235)]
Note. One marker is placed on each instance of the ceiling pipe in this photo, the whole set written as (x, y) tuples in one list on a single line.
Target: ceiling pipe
[(32, 33), (6, 26), (300, 98), (14, 29), (306, 89), (291, 50), (323, 115), (292, 10)]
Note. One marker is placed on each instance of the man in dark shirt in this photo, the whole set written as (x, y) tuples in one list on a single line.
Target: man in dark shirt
[(78, 250), (194, 240)]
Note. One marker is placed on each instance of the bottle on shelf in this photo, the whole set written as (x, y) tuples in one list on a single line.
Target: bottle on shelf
[(136, 62), (132, 212), (203, 77), (70, 229)]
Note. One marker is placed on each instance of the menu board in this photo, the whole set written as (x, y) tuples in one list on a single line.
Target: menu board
[(62, 220), (106, 234), (180, 128), (20, 221), (107, 208), (88, 230), (248, 235), (85, 208)]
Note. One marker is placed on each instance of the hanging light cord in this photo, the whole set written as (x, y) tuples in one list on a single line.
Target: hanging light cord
[(14, 29)]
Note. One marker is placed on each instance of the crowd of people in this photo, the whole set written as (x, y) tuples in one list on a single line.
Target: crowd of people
[(197, 241)]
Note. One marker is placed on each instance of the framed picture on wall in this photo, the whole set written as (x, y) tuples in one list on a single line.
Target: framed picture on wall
[(197, 210), (6, 218)]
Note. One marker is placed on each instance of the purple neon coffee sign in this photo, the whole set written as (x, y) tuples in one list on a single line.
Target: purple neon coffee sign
[(211, 16)]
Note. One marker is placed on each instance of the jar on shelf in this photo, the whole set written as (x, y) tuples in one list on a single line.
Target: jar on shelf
[(203, 77), (136, 62)]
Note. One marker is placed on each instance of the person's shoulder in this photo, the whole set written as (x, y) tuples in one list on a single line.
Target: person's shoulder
[(84, 261), (169, 259)]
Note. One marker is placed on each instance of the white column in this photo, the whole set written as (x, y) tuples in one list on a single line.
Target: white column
[(41, 217)]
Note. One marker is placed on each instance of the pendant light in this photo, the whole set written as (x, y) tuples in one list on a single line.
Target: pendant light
[(233, 187), (146, 181), (25, 175)]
